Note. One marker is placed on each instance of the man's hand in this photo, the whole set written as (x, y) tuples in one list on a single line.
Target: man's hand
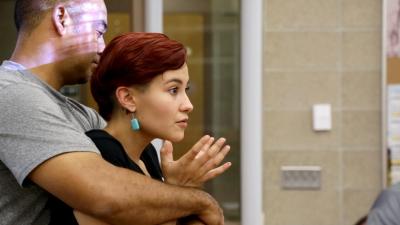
[(198, 165), (212, 214)]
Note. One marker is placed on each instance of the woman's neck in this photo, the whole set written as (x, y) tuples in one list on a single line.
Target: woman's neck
[(133, 142)]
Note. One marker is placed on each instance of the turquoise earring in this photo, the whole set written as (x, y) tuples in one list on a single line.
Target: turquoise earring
[(135, 123)]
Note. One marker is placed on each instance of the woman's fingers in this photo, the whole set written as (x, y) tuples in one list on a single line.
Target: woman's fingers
[(166, 153), (196, 149), (199, 164), (210, 151), (217, 171), (215, 161)]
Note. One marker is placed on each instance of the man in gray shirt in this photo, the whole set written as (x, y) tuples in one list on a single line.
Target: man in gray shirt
[(43, 148), (386, 208)]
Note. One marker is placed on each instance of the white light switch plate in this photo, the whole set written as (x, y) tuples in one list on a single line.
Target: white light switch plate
[(322, 117)]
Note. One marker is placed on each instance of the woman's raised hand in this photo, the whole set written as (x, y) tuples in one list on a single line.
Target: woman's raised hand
[(200, 164)]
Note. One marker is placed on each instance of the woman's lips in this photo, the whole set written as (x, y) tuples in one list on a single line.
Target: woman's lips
[(183, 123)]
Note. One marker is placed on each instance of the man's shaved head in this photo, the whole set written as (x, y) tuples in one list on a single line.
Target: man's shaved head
[(29, 13)]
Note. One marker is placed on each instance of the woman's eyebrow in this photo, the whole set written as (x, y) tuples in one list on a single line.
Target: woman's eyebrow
[(174, 80)]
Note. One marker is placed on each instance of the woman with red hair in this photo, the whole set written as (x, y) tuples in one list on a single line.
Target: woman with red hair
[(140, 87)]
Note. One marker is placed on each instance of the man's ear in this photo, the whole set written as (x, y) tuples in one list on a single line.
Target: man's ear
[(125, 97), (60, 18)]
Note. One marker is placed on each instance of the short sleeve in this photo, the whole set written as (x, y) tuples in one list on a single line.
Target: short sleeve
[(385, 210), (35, 128)]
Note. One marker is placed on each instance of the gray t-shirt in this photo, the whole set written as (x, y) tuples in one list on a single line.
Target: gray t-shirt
[(386, 208), (37, 123)]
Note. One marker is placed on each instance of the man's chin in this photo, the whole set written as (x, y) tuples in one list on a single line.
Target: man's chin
[(81, 80)]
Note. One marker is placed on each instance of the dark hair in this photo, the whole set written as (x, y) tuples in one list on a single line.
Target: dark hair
[(29, 13), (133, 59)]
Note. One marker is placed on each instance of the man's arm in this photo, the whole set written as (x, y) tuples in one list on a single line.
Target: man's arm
[(89, 184)]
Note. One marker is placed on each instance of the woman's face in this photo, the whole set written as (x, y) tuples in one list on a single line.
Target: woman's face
[(163, 107)]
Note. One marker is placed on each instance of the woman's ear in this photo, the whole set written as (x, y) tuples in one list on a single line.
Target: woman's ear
[(60, 19), (125, 97)]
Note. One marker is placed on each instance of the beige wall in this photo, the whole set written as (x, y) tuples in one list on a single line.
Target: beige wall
[(322, 52)]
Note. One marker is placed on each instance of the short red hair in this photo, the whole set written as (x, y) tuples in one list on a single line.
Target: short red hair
[(133, 59)]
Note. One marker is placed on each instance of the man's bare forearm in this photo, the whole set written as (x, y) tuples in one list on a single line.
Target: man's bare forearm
[(151, 202), (120, 196)]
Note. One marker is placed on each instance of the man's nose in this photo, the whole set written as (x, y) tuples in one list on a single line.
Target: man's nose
[(102, 45)]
